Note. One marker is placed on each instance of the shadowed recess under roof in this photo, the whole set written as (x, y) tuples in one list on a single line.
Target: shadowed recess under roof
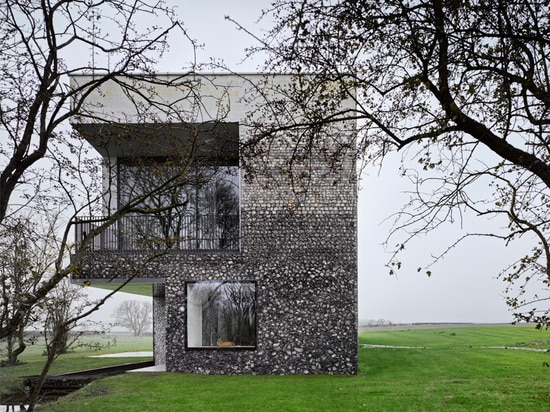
[(215, 141)]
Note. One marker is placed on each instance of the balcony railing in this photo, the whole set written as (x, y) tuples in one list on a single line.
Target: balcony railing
[(140, 233)]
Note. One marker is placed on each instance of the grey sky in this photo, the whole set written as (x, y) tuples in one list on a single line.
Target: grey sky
[(462, 288)]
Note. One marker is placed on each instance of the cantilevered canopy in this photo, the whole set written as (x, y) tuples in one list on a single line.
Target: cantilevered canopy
[(212, 141)]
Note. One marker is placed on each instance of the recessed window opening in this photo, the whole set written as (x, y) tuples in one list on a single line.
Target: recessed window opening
[(221, 314)]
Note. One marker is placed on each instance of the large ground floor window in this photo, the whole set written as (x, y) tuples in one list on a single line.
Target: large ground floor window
[(221, 314)]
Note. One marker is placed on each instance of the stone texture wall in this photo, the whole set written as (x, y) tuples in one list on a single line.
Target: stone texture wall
[(299, 246)]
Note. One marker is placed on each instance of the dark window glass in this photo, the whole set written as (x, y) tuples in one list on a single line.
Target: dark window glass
[(177, 208)]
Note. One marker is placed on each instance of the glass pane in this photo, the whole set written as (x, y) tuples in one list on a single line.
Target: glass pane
[(194, 210), (221, 314)]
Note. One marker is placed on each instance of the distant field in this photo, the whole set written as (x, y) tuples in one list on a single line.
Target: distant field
[(145, 289), (475, 368)]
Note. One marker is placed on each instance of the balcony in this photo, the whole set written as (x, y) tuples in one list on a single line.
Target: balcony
[(154, 233)]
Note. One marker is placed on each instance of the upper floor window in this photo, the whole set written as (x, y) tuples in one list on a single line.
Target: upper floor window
[(178, 207), (178, 185)]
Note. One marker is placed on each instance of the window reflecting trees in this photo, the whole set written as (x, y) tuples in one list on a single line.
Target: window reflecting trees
[(179, 208), (221, 314)]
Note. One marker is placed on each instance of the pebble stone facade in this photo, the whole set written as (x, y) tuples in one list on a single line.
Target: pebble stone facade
[(300, 250)]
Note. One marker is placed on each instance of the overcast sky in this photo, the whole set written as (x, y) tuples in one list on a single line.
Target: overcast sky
[(462, 288)]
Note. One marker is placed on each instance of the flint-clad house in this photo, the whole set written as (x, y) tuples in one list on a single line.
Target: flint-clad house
[(250, 275)]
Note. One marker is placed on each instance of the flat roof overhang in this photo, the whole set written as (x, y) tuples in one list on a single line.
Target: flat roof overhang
[(214, 141)]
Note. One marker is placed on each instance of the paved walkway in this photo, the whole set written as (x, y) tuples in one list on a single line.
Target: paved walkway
[(369, 346), (125, 355), (156, 368)]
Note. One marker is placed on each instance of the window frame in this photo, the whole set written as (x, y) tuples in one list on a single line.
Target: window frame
[(218, 346), (203, 225)]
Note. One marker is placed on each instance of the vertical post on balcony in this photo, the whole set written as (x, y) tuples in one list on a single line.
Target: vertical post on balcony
[(197, 217), (77, 231)]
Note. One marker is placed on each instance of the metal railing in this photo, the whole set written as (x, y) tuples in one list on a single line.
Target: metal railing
[(136, 233)]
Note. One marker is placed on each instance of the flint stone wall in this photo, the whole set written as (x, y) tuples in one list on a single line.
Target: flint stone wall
[(299, 249)]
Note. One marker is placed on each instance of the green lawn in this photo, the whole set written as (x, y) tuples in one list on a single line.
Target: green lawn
[(450, 369), (78, 358), (465, 336)]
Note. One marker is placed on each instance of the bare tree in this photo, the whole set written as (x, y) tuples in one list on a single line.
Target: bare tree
[(49, 173), (19, 256), (65, 302), (461, 89), (38, 42), (134, 315)]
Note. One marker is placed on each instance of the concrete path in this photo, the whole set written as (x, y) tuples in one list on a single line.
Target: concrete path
[(125, 355), (156, 368)]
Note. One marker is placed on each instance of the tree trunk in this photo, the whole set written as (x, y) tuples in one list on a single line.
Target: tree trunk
[(13, 353)]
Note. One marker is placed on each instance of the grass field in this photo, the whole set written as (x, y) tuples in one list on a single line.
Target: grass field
[(499, 368), (78, 358)]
